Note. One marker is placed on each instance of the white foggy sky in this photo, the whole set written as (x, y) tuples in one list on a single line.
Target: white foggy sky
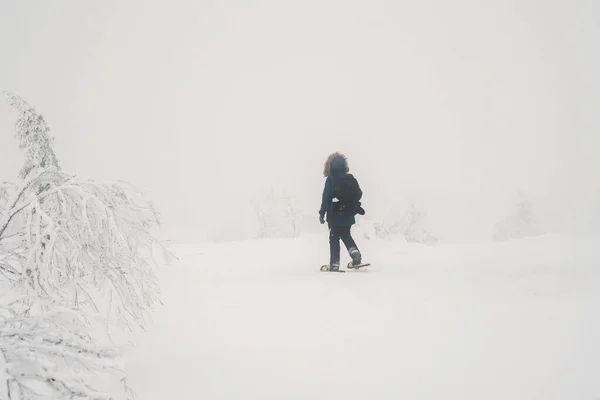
[(460, 103)]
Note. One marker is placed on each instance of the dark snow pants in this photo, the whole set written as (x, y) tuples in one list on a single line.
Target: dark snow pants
[(335, 234)]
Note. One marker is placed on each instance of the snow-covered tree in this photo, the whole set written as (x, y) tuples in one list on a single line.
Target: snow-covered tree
[(74, 244), (520, 223), (77, 236)]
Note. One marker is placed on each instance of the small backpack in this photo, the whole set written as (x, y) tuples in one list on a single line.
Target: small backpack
[(348, 193)]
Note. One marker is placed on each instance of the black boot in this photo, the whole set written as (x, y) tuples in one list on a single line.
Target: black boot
[(356, 256)]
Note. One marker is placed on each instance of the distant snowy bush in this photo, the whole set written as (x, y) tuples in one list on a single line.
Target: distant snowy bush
[(520, 223), (380, 227), (416, 226), (279, 215), (68, 246), (412, 224), (387, 227)]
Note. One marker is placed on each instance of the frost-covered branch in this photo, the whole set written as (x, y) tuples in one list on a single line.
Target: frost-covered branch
[(46, 356), (11, 208)]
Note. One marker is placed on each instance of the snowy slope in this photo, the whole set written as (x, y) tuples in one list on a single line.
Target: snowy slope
[(257, 320)]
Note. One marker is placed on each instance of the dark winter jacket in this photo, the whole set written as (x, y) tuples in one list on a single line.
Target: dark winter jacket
[(336, 166)]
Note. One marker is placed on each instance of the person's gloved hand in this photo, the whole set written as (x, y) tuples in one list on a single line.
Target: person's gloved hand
[(321, 219)]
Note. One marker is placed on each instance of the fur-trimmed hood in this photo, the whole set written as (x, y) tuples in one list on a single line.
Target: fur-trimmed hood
[(336, 162)]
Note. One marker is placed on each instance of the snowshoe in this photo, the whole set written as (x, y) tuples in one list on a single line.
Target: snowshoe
[(327, 268), (352, 265)]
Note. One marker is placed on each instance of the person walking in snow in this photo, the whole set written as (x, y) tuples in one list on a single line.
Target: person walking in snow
[(340, 203)]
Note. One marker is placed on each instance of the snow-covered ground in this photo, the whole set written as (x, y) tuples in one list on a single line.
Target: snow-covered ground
[(257, 320)]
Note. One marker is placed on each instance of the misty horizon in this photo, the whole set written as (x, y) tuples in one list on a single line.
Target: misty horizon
[(457, 106)]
